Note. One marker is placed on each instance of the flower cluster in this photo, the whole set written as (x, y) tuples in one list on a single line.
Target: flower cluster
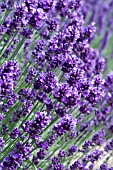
[(55, 104), (9, 74)]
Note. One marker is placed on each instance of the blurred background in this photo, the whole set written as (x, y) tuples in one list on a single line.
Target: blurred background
[(101, 12)]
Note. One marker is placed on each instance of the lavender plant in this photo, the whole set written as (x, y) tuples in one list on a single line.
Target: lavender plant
[(55, 105), (101, 13)]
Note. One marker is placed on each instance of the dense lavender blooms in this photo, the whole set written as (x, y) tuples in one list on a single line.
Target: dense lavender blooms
[(15, 133), (109, 146), (67, 95), (16, 157), (9, 74), (94, 156), (72, 150), (46, 81), (66, 124), (33, 128), (98, 138), (55, 104)]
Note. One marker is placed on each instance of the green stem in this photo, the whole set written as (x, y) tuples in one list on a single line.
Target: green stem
[(17, 49)]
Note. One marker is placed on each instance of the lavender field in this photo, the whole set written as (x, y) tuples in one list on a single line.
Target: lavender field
[(56, 84)]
